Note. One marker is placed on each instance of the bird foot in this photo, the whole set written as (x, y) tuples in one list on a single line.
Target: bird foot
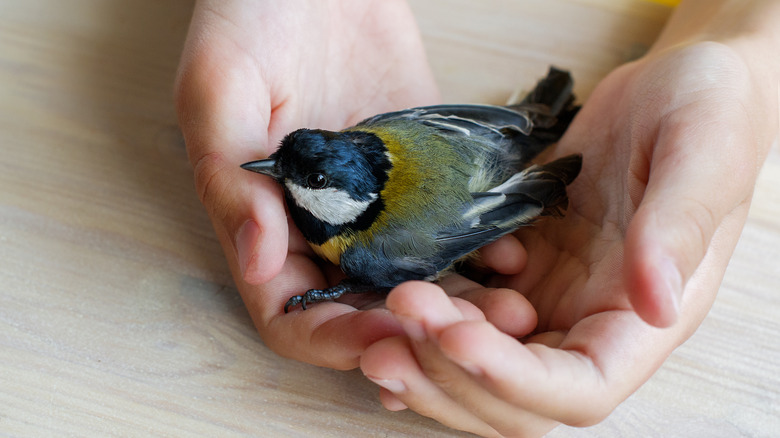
[(319, 295)]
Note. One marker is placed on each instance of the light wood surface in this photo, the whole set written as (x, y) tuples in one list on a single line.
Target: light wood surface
[(117, 312)]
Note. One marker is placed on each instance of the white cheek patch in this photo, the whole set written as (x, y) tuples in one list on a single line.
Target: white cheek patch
[(329, 205)]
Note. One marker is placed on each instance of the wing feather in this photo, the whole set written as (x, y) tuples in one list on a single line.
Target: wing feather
[(466, 119)]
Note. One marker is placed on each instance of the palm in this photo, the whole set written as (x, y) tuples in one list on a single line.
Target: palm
[(575, 264), (338, 62), (634, 135)]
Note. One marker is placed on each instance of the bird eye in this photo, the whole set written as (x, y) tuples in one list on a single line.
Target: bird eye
[(316, 181)]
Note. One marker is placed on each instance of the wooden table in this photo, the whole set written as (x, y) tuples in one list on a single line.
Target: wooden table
[(118, 316)]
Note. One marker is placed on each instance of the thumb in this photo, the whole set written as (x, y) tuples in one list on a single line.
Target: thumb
[(247, 213), (224, 128), (702, 168)]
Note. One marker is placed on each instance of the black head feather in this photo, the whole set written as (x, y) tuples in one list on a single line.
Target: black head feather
[(353, 162)]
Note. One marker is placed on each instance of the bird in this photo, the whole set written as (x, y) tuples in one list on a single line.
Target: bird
[(405, 195)]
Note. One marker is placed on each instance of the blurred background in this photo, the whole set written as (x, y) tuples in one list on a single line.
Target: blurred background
[(118, 316)]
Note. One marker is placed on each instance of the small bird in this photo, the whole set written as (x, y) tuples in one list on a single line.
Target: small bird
[(404, 195)]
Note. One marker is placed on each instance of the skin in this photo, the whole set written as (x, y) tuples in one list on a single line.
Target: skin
[(240, 89), (598, 299)]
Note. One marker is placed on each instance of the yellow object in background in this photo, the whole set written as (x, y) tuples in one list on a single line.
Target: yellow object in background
[(670, 3)]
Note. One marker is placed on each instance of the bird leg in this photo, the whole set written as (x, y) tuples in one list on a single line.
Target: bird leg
[(319, 295)]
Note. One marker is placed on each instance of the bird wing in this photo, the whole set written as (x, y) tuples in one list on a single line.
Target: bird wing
[(402, 254), (409, 255), (481, 120), (539, 190), (491, 216), (551, 98)]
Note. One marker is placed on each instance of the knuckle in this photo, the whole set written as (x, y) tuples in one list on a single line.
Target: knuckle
[(446, 377), (197, 94), (188, 89), (696, 226), (210, 182)]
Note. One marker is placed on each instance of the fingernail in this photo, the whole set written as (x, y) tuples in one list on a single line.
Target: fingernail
[(393, 385), (674, 282), (246, 239), (413, 328)]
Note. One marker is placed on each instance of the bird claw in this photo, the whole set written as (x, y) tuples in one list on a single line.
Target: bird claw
[(319, 295), (294, 301)]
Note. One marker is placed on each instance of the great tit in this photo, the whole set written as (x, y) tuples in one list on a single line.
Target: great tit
[(403, 195)]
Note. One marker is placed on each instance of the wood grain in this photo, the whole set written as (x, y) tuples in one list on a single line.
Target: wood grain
[(117, 313)]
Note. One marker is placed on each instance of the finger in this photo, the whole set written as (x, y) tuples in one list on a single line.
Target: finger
[(329, 334), (390, 364), (508, 310), (390, 401), (578, 384), (248, 215), (505, 256), (685, 202), (422, 309), (462, 383), (333, 338), (221, 107), (431, 308)]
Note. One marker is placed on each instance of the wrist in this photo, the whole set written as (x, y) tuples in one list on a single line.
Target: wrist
[(744, 37), (748, 26)]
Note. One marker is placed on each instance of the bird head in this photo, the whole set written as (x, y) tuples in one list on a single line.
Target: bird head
[(334, 176)]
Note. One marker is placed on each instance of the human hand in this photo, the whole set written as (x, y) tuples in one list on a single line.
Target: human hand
[(250, 73), (672, 145)]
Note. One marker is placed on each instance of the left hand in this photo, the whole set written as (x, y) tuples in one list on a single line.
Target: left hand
[(672, 147), (253, 71)]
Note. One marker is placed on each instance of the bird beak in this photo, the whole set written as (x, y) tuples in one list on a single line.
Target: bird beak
[(266, 167)]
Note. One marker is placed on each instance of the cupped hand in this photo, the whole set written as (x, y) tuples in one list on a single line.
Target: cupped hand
[(672, 145), (251, 72)]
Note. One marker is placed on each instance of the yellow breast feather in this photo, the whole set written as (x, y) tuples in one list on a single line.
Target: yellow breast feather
[(332, 249)]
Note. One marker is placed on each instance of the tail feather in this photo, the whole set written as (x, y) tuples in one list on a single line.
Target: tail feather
[(553, 91), (547, 183), (566, 169), (551, 108)]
